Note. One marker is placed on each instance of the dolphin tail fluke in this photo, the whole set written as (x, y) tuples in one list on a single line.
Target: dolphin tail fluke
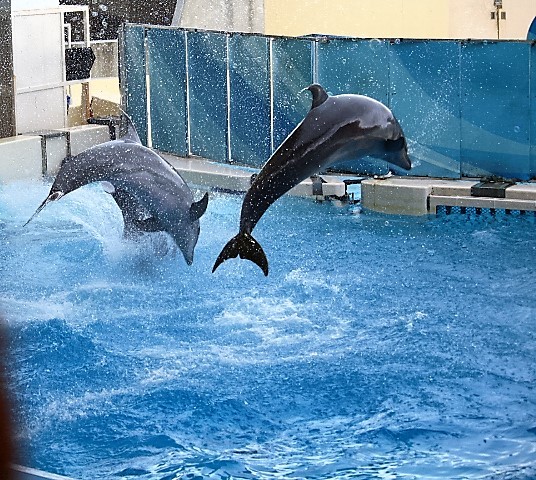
[(245, 246)]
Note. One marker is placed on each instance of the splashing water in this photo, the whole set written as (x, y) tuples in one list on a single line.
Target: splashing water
[(379, 347)]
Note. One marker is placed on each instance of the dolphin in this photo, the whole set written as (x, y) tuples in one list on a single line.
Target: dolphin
[(151, 194), (337, 128)]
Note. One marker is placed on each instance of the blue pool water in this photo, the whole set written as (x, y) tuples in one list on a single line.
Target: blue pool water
[(379, 347)]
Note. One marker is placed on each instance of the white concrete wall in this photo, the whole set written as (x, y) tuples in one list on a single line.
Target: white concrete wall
[(32, 4), (20, 158)]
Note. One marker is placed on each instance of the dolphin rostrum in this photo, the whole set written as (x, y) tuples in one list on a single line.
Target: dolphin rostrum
[(336, 129), (151, 194)]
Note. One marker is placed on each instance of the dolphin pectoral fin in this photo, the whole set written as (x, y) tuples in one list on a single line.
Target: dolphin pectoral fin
[(108, 187), (245, 246), (197, 209), (395, 145)]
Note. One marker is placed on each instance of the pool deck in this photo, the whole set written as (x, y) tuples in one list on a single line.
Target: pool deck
[(38, 155), (25, 473), (423, 196)]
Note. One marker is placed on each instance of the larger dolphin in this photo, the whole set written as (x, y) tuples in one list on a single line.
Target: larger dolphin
[(151, 194), (337, 128)]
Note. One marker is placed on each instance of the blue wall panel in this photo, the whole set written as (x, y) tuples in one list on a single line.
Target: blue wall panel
[(425, 98), (250, 123), (133, 78), (495, 109), (467, 108), (346, 65), (532, 109), (167, 86), (207, 83), (291, 72)]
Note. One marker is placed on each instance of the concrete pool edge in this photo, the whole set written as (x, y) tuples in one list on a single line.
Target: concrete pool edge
[(25, 473), (423, 196), (39, 154)]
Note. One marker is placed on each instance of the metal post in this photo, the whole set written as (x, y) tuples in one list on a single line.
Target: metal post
[(498, 6)]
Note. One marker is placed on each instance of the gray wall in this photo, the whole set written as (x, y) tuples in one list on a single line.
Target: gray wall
[(7, 106), (223, 15)]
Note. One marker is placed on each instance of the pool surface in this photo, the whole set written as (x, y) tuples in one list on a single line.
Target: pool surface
[(379, 347)]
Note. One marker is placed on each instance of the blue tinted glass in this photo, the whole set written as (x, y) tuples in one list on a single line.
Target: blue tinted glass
[(133, 78), (207, 83), (425, 98), (347, 65), (291, 72), (495, 109), (249, 73), (167, 85), (533, 110)]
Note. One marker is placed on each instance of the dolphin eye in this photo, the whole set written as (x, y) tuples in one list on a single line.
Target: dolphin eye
[(55, 196)]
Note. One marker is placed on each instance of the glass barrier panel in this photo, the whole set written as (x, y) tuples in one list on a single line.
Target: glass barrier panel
[(134, 78), (250, 124), (532, 170), (495, 109), (425, 98), (291, 73), (207, 85), (167, 88), (347, 65)]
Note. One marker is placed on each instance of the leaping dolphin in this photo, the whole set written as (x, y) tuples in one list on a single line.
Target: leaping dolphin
[(337, 128), (150, 193)]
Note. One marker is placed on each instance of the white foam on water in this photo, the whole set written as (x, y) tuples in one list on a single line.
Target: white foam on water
[(39, 309)]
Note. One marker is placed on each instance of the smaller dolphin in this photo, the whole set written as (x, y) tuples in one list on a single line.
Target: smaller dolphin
[(151, 194), (337, 128)]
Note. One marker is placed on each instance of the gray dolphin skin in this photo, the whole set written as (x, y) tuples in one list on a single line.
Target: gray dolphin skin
[(152, 195), (337, 128)]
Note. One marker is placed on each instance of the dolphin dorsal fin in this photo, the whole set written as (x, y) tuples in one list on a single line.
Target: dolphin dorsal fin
[(199, 208), (319, 94)]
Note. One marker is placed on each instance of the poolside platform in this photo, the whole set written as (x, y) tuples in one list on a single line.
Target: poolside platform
[(37, 155), (209, 174), (25, 473), (423, 196)]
